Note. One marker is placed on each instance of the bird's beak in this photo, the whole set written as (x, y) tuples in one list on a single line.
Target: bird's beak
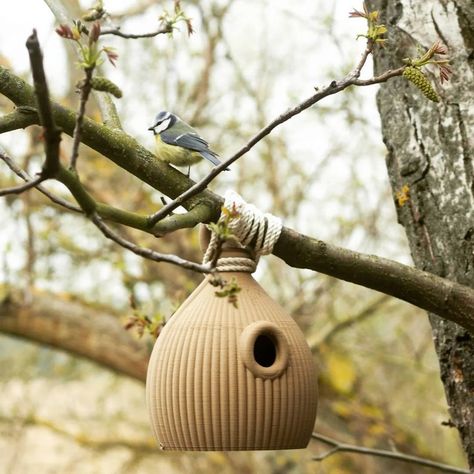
[(152, 128)]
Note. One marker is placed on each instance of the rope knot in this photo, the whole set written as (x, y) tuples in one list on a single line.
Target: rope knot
[(252, 229)]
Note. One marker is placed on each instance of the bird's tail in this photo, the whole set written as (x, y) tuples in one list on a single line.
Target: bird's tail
[(212, 157)]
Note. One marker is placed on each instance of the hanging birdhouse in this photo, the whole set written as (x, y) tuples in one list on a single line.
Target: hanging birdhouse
[(231, 378)]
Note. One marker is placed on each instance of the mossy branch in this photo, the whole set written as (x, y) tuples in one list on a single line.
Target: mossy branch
[(21, 117)]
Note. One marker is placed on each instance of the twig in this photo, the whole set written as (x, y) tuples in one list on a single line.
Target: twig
[(24, 175), (339, 447), (381, 78), (147, 253), (77, 134), (22, 187), (333, 88), (52, 133), (116, 31)]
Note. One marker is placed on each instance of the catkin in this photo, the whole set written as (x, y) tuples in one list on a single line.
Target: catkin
[(414, 75), (100, 83)]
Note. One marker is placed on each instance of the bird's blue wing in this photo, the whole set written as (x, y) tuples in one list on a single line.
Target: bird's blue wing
[(191, 141)]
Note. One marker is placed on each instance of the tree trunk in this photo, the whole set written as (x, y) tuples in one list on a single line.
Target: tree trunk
[(430, 151)]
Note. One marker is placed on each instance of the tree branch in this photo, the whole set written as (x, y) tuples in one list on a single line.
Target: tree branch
[(24, 175), (339, 447), (22, 187), (89, 205), (71, 181), (443, 297), (76, 328), (147, 253), (117, 32), (21, 117), (52, 133), (446, 298), (77, 133)]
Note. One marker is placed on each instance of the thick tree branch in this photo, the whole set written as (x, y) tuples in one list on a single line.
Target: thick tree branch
[(21, 117), (89, 205), (339, 447), (76, 328), (170, 224), (443, 297)]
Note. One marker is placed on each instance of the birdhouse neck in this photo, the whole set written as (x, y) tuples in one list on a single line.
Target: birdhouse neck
[(235, 252)]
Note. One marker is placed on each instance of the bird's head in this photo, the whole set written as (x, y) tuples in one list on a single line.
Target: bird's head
[(163, 121)]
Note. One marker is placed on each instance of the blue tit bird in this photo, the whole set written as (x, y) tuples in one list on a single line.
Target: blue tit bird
[(178, 143)]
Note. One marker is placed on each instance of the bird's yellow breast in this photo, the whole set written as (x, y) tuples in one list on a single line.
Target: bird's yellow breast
[(175, 155)]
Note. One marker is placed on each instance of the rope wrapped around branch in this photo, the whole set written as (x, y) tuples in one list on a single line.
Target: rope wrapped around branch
[(253, 230)]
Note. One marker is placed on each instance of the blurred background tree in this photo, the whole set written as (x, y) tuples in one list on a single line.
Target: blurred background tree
[(64, 285)]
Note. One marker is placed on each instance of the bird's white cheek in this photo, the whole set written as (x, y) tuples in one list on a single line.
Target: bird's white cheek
[(163, 126)]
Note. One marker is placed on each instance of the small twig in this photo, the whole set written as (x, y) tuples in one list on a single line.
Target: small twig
[(144, 252), (22, 187), (116, 31), (77, 134), (24, 175), (351, 448), (381, 78), (333, 88), (52, 133)]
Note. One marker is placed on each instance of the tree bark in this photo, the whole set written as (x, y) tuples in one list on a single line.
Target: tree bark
[(430, 151)]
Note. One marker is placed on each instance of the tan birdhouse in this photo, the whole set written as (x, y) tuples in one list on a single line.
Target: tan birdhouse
[(227, 378)]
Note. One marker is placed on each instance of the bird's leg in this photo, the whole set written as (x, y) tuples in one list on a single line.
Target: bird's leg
[(189, 171)]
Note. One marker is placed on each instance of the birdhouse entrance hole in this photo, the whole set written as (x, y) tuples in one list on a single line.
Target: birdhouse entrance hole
[(265, 350)]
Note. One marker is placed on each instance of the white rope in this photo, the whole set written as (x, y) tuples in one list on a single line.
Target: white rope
[(250, 225)]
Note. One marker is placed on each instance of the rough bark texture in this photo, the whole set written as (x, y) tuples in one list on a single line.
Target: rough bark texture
[(430, 149)]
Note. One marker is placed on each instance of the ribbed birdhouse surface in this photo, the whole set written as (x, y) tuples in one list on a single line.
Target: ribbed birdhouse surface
[(226, 378)]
